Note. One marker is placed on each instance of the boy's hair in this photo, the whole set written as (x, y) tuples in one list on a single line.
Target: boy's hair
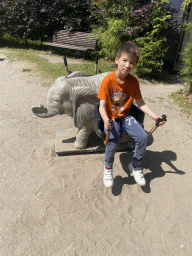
[(128, 47)]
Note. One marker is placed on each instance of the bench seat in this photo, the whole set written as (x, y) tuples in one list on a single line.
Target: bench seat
[(76, 41)]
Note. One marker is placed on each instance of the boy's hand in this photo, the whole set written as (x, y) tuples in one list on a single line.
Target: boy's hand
[(158, 123), (103, 113), (108, 125), (160, 117)]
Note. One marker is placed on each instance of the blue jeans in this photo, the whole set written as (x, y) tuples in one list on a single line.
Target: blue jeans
[(135, 130)]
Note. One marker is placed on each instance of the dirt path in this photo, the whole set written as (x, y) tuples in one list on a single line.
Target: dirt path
[(57, 206)]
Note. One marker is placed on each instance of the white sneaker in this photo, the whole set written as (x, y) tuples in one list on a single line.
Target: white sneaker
[(108, 177), (138, 174)]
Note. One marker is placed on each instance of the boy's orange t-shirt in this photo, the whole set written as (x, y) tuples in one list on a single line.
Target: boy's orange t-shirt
[(118, 96)]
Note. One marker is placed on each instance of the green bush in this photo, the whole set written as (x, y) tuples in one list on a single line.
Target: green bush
[(152, 45), (111, 38), (152, 54), (186, 70)]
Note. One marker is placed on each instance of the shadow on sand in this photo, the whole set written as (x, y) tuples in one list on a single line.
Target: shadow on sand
[(153, 162)]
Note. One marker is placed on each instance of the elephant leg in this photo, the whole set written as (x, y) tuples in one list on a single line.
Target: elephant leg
[(83, 134)]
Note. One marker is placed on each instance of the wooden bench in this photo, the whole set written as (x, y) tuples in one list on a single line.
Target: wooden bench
[(76, 41)]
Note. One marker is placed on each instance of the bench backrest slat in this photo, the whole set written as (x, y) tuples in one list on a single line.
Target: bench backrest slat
[(77, 38)]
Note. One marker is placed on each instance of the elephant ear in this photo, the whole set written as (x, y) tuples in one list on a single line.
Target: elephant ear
[(84, 102)]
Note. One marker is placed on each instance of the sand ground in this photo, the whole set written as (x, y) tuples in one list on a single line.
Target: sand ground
[(58, 206)]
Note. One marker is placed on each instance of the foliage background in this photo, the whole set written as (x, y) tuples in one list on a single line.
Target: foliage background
[(186, 70), (112, 22), (37, 19)]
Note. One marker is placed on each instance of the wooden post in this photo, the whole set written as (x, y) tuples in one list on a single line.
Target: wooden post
[(65, 64), (96, 63)]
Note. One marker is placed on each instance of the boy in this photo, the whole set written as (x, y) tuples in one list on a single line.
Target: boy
[(116, 93)]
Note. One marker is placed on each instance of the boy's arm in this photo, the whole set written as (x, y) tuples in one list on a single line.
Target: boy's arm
[(145, 108), (103, 113)]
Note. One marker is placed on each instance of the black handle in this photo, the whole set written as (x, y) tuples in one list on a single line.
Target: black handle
[(164, 118), (111, 121)]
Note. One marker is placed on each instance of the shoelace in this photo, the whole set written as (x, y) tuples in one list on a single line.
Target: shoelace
[(139, 171), (107, 175)]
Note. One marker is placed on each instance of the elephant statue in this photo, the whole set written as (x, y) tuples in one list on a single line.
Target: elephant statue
[(75, 95)]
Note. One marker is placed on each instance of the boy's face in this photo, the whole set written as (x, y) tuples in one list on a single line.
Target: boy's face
[(126, 63)]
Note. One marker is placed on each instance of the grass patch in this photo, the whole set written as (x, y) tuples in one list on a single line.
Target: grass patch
[(46, 69), (19, 50), (53, 71), (19, 43), (16, 49), (184, 102), (26, 69), (88, 67)]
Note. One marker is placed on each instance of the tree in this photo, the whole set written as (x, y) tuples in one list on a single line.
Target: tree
[(140, 21), (106, 10), (113, 17), (152, 45), (3, 7), (185, 4), (111, 38), (186, 70), (123, 21), (38, 18)]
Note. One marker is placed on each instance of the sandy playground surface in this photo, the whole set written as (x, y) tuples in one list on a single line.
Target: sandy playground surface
[(58, 206)]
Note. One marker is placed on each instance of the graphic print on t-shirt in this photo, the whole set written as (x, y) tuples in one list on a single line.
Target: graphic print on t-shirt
[(119, 98)]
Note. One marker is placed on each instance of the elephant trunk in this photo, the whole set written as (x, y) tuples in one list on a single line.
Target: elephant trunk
[(41, 111), (55, 100)]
